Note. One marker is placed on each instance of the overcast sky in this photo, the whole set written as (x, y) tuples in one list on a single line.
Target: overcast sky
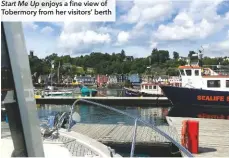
[(140, 26)]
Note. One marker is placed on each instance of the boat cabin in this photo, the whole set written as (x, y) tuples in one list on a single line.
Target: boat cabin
[(151, 88), (205, 78)]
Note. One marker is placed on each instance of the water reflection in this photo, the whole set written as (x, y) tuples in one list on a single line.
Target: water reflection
[(95, 114)]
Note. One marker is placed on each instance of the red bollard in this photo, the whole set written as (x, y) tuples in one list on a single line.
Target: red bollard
[(193, 136)]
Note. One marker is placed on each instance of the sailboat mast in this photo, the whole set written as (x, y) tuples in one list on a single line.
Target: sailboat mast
[(58, 73)]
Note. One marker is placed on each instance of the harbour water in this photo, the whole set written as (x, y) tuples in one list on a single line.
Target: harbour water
[(95, 114)]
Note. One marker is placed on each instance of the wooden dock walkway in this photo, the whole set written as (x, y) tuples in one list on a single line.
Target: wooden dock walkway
[(213, 135), (123, 134), (122, 101)]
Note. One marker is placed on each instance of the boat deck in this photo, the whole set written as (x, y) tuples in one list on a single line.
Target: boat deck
[(76, 144), (213, 135)]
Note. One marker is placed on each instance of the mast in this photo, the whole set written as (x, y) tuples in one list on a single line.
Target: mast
[(52, 67), (58, 73), (18, 93)]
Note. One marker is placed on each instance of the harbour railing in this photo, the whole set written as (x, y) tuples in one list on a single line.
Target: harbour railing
[(136, 120)]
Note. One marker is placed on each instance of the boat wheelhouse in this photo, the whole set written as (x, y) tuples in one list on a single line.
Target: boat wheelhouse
[(204, 78), (151, 88)]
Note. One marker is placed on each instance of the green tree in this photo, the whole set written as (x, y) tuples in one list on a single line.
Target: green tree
[(175, 55), (123, 55)]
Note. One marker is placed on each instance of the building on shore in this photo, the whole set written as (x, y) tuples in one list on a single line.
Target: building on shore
[(101, 80), (112, 79), (85, 79), (134, 79), (121, 78)]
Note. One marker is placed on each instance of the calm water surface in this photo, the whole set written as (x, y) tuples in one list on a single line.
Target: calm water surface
[(95, 114)]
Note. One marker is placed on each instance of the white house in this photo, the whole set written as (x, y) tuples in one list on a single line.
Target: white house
[(112, 79)]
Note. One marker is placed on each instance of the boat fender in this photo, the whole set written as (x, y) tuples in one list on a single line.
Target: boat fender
[(184, 134)]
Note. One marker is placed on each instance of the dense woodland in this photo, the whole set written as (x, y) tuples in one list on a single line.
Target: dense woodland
[(158, 62)]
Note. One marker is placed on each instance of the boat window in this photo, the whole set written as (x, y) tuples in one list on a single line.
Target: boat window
[(188, 72), (197, 72), (213, 83), (182, 72), (146, 87), (150, 87), (227, 83), (154, 87)]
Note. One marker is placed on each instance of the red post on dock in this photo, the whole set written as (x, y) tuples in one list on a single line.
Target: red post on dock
[(193, 134), (190, 135)]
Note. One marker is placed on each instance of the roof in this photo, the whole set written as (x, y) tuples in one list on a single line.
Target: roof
[(216, 76), (189, 67)]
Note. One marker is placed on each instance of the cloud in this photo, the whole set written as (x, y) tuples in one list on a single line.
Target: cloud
[(80, 38), (147, 12), (84, 37), (141, 26), (123, 37), (30, 25), (47, 30), (192, 24), (187, 30), (153, 45), (218, 48)]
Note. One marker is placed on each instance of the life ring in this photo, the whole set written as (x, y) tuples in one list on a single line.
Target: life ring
[(184, 134)]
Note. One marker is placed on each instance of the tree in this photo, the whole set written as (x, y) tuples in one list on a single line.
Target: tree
[(123, 54), (155, 56), (163, 55), (175, 55), (104, 63), (191, 53), (172, 72), (159, 56)]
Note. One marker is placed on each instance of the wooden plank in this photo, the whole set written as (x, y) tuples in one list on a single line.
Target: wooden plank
[(213, 135), (122, 134)]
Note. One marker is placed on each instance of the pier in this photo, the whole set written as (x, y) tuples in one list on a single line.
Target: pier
[(117, 101), (119, 136), (213, 135)]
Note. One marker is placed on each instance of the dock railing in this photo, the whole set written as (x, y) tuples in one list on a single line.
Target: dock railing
[(153, 126)]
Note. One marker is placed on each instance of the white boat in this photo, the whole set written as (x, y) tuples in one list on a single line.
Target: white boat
[(65, 144), (54, 91), (204, 92), (153, 88), (204, 78), (150, 88)]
